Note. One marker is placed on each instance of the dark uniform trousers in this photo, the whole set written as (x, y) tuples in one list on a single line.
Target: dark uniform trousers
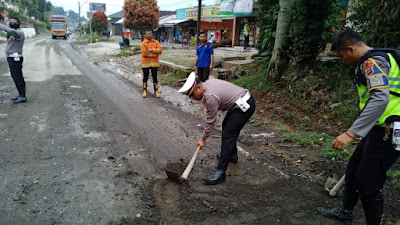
[(146, 73), (16, 74), (366, 171), (246, 40), (203, 73), (233, 123)]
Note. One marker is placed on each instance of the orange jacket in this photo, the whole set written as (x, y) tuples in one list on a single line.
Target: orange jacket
[(150, 59)]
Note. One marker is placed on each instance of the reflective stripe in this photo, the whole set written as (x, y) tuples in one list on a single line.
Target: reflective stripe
[(394, 79), (150, 65), (364, 93), (395, 86)]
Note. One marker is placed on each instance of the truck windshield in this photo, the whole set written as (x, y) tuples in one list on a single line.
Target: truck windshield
[(58, 26)]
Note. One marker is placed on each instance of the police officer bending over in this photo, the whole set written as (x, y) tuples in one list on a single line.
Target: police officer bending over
[(15, 42), (221, 95), (377, 75)]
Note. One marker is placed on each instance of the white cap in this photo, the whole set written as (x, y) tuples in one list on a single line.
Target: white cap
[(188, 87)]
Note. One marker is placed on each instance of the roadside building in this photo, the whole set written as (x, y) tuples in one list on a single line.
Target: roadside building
[(225, 26), (117, 28), (114, 25)]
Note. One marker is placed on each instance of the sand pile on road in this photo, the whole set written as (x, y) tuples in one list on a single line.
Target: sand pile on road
[(103, 48)]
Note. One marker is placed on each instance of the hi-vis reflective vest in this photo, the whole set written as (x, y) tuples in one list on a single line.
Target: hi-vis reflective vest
[(392, 112), (246, 29)]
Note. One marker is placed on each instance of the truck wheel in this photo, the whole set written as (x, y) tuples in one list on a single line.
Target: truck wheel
[(65, 37), (54, 37)]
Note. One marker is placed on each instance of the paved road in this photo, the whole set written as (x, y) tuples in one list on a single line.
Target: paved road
[(85, 144)]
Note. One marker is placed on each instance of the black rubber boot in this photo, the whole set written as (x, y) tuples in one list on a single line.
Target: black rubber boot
[(373, 210), (20, 99), (218, 177), (339, 213), (344, 212)]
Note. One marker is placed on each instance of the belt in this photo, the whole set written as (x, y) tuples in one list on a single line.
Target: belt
[(12, 55), (246, 96)]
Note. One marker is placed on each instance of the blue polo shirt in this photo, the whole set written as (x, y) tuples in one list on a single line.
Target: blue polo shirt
[(204, 52)]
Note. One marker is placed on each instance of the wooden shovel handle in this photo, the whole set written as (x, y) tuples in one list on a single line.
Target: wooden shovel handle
[(337, 186), (191, 163)]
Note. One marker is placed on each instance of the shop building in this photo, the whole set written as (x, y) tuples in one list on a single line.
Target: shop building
[(225, 28)]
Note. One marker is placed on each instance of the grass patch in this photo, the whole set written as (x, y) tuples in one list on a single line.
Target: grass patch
[(312, 140), (329, 152), (178, 61), (171, 77), (253, 118), (306, 140), (394, 176), (126, 51), (256, 82), (304, 123)]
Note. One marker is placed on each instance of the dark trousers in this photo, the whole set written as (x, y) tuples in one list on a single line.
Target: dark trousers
[(246, 41), (203, 73), (16, 74), (233, 123), (146, 73), (367, 169)]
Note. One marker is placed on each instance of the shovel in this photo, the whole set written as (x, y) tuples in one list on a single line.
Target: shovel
[(174, 171)]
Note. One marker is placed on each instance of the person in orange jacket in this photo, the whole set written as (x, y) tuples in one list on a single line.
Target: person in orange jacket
[(150, 49)]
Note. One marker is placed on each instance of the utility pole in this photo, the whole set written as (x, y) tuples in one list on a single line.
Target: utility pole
[(79, 10), (79, 17), (44, 13), (198, 22)]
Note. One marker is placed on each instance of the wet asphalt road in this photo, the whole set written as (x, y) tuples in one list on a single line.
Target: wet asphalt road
[(86, 144)]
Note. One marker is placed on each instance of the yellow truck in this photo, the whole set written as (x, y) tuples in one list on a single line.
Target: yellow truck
[(58, 26)]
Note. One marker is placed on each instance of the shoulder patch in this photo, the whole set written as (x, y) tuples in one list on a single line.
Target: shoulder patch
[(370, 67), (375, 76), (377, 81)]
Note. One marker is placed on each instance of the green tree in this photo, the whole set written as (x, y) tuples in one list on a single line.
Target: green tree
[(141, 14), (280, 59), (296, 35), (73, 17), (99, 21), (378, 21), (56, 10), (312, 26)]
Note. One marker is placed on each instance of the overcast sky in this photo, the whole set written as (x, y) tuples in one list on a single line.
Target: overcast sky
[(113, 6)]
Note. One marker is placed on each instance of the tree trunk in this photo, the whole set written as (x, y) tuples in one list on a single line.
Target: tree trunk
[(279, 59)]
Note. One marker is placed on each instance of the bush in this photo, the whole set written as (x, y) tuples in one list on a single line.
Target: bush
[(377, 21), (313, 22)]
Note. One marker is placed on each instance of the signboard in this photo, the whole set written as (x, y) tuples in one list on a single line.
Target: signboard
[(97, 6), (243, 7), (89, 15), (206, 12), (226, 6)]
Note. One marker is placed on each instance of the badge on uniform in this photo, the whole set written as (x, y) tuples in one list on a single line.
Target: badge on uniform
[(376, 78)]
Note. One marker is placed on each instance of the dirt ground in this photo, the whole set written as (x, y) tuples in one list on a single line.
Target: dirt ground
[(273, 183)]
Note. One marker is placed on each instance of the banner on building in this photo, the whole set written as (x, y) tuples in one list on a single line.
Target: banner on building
[(97, 6), (226, 7), (243, 7)]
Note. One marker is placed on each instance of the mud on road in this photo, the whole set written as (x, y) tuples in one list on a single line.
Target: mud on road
[(273, 183)]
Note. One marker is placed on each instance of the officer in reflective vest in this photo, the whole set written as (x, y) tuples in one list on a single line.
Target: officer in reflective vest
[(377, 78), (246, 33)]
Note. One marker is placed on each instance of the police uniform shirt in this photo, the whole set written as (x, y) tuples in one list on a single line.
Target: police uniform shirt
[(15, 41), (372, 70), (219, 95)]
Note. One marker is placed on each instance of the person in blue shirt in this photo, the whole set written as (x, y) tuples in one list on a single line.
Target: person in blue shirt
[(204, 58)]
